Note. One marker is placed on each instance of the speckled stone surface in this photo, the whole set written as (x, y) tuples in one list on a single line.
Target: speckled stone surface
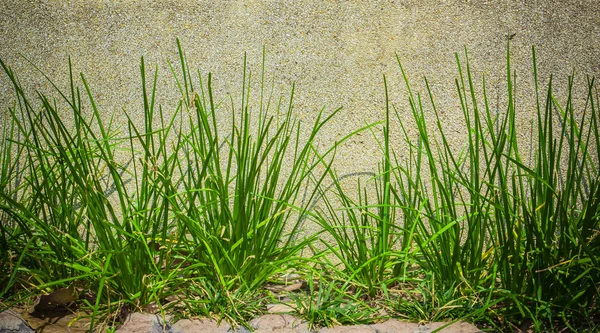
[(11, 322), (335, 51), (271, 323)]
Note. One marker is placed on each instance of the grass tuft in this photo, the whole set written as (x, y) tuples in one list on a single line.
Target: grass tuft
[(181, 212)]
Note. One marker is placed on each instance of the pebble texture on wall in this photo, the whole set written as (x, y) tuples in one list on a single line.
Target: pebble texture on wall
[(335, 51)]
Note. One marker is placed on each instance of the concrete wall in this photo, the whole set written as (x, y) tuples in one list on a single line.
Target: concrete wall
[(335, 51)]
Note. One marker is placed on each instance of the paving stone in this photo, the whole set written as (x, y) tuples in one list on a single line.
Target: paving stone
[(395, 326), (459, 327), (242, 330), (200, 325), (280, 323), (349, 329), (11, 322), (144, 323)]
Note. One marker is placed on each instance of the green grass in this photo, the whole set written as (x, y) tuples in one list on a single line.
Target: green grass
[(177, 205), (496, 225)]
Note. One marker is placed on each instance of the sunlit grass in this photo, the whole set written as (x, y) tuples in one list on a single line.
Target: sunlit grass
[(137, 213), (496, 226)]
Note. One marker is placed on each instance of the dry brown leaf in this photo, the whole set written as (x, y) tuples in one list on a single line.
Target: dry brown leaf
[(58, 297)]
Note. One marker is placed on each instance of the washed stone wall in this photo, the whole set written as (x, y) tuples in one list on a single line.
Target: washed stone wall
[(335, 51)]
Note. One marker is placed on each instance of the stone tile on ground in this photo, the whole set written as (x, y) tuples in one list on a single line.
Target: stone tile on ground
[(143, 323), (395, 326), (200, 325), (349, 329), (280, 323), (11, 322), (14, 322), (459, 327)]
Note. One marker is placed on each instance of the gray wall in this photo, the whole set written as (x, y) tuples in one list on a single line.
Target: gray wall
[(335, 51)]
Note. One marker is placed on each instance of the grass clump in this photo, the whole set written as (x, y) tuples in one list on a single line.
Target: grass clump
[(185, 206), (516, 232), (178, 212), (238, 207)]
